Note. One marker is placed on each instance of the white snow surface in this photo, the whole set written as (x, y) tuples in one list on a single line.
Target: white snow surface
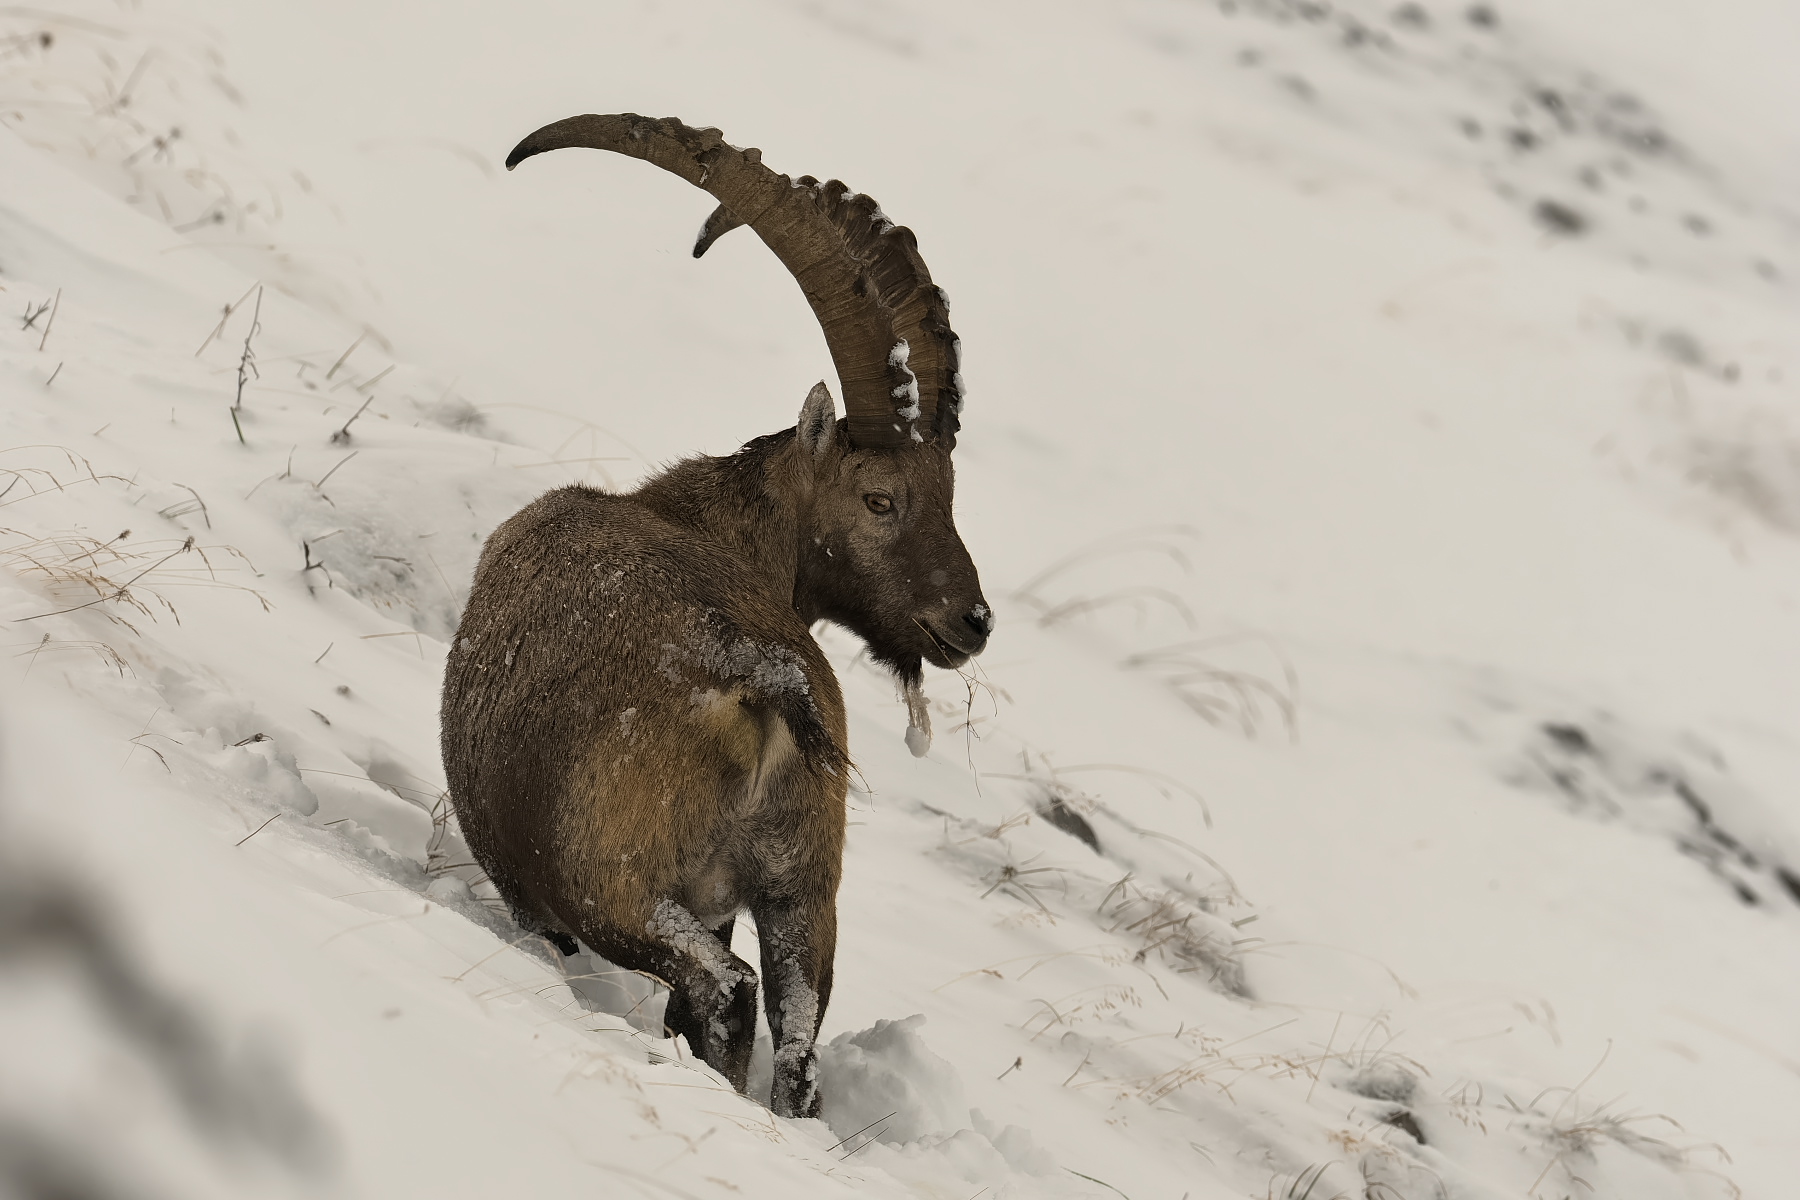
[(1385, 783)]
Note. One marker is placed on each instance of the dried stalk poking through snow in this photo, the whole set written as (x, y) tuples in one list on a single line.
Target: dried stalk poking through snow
[(246, 366)]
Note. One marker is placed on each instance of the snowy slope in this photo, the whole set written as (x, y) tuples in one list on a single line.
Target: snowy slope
[(1382, 779)]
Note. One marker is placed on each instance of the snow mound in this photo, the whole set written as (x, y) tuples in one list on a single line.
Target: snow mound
[(885, 1086), (886, 1083)]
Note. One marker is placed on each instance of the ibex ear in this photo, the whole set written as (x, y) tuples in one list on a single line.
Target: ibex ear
[(817, 431)]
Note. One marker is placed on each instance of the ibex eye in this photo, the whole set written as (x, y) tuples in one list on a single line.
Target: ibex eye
[(878, 503)]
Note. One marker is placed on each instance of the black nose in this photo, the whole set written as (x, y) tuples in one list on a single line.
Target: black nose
[(981, 620)]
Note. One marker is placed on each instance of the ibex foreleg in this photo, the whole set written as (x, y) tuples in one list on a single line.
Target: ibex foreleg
[(798, 944)]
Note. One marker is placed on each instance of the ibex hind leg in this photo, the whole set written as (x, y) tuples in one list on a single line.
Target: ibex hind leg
[(712, 992), (681, 1018)]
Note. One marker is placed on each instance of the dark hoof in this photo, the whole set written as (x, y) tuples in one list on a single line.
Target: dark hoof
[(796, 1089)]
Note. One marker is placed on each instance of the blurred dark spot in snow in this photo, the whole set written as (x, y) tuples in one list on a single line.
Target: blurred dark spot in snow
[(1056, 811), (1412, 16), (1405, 1122), (1559, 218), (1298, 87), (1680, 346), (1603, 770), (1569, 738), (1525, 114), (53, 930), (873, 23), (1384, 1079), (38, 1165), (1790, 881), (455, 414)]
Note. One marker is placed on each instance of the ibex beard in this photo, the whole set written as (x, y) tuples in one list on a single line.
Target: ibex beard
[(641, 737)]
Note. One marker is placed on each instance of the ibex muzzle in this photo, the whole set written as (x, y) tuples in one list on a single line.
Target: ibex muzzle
[(641, 737)]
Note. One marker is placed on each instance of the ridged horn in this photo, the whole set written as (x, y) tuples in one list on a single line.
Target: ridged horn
[(886, 324)]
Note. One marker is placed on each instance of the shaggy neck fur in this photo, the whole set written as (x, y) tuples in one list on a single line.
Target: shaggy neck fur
[(751, 501)]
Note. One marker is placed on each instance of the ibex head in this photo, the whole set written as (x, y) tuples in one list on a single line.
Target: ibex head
[(879, 552)]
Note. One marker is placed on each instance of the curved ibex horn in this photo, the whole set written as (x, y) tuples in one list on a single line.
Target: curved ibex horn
[(886, 324)]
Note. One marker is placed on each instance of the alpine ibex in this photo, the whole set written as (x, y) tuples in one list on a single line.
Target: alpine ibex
[(641, 737)]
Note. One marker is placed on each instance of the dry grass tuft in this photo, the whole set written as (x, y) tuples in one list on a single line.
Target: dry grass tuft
[(1173, 929), (1049, 776), (1574, 1130), (1201, 673), (1170, 542), (1303, 1186), (1223, 695), (81, 572), (24, 483), (440, 856), (109, 96), (32, 651)]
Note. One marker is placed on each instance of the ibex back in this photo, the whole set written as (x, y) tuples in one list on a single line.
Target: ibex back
[(641, 737)]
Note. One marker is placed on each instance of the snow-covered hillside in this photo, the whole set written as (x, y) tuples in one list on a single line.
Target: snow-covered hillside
[(1380, 451)]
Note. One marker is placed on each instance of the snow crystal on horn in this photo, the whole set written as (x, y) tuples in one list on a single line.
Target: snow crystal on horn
[(909, 389)]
